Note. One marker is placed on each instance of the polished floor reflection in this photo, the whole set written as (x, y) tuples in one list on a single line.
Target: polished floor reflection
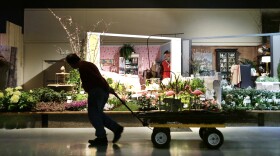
[(137, 141)]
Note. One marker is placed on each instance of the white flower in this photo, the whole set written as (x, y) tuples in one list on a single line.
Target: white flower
[(155, 86), (165, 81), (246, 100), (30, 91), (240, 97), (14, 99), (108, 106)]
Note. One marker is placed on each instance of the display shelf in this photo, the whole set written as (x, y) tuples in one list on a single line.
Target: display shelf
[(225, 58), (129, 66)]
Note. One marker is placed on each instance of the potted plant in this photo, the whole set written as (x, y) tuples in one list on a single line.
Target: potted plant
[(126, 51)]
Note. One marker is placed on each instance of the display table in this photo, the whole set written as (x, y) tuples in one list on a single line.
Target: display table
[(271, 86)]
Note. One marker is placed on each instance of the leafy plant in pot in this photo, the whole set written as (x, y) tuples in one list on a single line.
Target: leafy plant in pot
[(126, 51)]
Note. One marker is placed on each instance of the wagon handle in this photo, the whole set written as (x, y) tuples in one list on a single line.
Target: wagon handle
[(124, 103)]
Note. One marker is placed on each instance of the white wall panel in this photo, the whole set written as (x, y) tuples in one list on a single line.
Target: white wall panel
[(43, 34)]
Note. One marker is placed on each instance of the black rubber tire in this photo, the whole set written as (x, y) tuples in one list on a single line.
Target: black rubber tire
[(161, 137), (213, 138), (201, 132)]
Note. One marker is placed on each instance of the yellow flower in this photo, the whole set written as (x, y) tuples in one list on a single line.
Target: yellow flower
[(14, 99), (1, 95), (9, 91), (18, 88), (17, 93)]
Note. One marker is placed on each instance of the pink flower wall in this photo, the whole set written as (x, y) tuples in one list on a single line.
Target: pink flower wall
[(112, 52)]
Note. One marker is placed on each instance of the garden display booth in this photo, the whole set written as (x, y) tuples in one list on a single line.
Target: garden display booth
[(173, 96)]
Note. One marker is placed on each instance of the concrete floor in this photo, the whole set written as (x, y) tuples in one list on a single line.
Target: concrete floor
[(136, 141)]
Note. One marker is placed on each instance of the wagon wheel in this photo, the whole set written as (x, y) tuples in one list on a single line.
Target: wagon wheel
[(201, 132), (161, 137), (213, 138)]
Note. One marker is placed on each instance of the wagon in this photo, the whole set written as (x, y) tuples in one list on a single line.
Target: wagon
[(162, 121)]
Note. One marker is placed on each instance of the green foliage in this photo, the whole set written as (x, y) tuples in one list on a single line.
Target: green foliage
[(146, 102), (233, 99), (267, 79), (74, 78), (115, 101), (178, 85), (278, 70), (119, 88), (247, 61), (79, 97), (131, 105), (197, 83), (126, 51), (27, 101), (49, 95), (110, 81)]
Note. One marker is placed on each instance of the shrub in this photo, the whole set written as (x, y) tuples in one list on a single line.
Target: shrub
[(13, 99), (49, 95)]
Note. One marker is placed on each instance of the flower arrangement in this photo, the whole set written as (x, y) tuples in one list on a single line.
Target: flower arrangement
[(77, 106), (179, 88), (211, 105), (147, 101), (13, 99)]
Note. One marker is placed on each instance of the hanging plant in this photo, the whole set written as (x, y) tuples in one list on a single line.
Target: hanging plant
[(126, 51)]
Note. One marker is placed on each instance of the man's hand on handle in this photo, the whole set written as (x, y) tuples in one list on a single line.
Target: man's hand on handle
[(111, 90)]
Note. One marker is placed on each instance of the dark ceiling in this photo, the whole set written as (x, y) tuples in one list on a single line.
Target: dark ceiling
[(147, 3), (13, 10)]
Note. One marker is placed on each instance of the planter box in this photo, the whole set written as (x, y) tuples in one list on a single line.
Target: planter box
[(271, 86)]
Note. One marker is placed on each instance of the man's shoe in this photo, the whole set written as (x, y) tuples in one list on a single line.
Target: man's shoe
[(98, 142), (117, 134)]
